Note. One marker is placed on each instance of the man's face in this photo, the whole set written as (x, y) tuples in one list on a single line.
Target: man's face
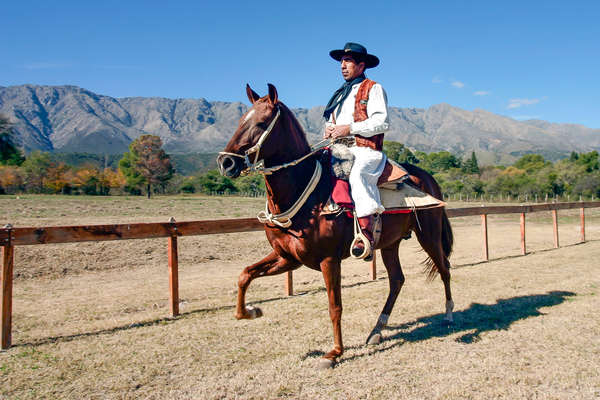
[(351, 69)]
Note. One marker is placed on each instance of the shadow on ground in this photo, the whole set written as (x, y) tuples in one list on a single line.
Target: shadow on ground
[(473, 321), (479, 318)]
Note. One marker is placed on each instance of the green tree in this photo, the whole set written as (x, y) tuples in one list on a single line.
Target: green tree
[(36, 168), (470, 166), (133, 178), (438, 162), (589, 161), (398, 152), (9, 153), (146, 163), (588, 185), (574, 156), (251, 183), (213, 181), (531, 163)]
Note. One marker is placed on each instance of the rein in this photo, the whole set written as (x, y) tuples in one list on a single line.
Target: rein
[(284, 219)]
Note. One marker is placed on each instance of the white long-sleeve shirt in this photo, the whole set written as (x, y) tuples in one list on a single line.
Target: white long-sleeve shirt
[(377, 116)]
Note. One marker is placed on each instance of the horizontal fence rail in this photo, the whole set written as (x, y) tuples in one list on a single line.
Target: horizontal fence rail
[(151, 230), (14, 236)]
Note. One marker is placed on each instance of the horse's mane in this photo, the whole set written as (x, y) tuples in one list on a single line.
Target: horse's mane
[(297, 136)]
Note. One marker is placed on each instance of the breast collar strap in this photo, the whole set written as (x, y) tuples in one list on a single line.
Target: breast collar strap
[(284, 219)]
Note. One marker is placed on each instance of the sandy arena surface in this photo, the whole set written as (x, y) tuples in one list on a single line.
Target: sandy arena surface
[(91, 319)]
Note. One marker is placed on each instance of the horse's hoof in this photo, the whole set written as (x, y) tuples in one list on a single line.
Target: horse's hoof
[(251, 313), (254, 312), (447, 322), (325, 363), (374, 339)]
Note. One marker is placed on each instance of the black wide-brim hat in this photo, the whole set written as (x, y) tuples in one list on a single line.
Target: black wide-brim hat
[(359, 53)]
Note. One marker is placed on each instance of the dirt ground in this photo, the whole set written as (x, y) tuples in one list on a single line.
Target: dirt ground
[(90, 319)]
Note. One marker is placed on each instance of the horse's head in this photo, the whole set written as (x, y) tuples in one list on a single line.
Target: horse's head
[(252, 141)]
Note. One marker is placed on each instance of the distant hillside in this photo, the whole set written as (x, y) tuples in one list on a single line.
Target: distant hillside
[(73, 119)]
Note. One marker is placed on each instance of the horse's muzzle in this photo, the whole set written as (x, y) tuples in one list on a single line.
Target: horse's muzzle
[(229, 166)]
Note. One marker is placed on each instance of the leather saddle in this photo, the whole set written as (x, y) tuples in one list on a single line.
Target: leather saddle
[(398, 189)]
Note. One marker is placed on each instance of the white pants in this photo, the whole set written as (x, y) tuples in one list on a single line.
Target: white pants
[(368, 167)]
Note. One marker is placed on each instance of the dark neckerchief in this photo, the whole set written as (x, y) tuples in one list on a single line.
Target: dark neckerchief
[(340, 95)]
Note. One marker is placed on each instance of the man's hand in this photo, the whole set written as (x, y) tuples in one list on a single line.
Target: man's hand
[(336, 131)]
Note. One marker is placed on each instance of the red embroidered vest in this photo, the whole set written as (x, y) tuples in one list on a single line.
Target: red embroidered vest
[(360, 114)]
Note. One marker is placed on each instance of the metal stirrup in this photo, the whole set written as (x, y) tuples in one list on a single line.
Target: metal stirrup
[(360, 237)]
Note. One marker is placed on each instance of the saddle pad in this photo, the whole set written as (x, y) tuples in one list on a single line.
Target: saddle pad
[(407, 197)]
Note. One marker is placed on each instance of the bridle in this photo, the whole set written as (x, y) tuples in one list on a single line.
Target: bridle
[(256, 165), (284, 219)]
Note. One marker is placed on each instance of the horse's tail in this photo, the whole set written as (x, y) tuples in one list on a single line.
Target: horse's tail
[(447, 235), (426, 183)]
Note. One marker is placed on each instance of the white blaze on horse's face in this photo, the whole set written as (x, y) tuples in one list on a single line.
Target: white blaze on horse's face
[(248, 116)]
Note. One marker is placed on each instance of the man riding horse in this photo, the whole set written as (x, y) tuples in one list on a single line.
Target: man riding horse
[(359, 108), (269, 140)]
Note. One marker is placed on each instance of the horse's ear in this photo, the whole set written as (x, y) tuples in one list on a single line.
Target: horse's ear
[(272, 94), (252, 95)]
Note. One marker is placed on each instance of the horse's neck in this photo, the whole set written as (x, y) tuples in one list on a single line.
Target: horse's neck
[(292, 143), (285, 186)]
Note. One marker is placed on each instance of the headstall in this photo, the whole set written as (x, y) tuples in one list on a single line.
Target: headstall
[(283, 220), (255, 166)]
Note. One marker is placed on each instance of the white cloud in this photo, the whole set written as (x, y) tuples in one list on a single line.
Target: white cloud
[(517, 103), (436, 79), (482, 93), (458, 84)]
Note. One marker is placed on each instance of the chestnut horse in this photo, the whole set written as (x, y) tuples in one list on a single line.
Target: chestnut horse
[(271, 136)]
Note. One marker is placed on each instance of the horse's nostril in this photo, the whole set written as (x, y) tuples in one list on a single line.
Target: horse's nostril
[(227, 163)]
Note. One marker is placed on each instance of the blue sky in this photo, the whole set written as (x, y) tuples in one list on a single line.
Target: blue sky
[(523, 59)]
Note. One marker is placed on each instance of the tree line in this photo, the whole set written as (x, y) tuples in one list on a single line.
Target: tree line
[(531, 175), (146, 169)]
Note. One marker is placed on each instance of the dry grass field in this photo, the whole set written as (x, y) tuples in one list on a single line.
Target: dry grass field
[(90, 319)]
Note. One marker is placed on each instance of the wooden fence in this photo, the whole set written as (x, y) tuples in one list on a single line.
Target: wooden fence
[(11, 237)]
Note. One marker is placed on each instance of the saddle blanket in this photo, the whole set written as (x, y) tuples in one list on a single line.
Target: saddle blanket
[(403, 199)]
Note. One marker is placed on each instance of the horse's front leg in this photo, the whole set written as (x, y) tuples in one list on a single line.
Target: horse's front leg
[(272, 264), (331, 268)]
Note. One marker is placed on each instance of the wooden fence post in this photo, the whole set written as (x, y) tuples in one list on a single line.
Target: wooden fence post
[(582, 217), (289, 283), (173, 272), (374, 266), (555, 224), (486, 254), (8, 254), (523, 246)]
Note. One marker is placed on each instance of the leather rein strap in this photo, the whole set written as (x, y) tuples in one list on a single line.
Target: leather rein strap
[(284, 219)]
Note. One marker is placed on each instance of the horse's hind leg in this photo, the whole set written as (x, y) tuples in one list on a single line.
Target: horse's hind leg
[(431, 241), (272, 264), (396, 280)]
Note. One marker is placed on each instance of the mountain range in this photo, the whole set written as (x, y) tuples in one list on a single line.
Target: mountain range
[(73, 119)]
